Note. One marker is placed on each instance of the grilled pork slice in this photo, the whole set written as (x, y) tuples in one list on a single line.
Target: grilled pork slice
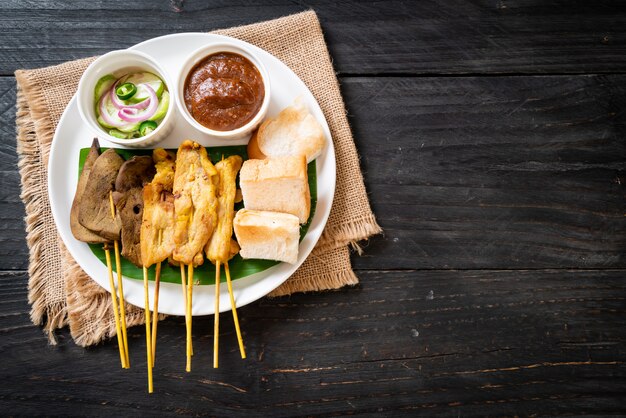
[(218, 248), (157, 225), (158, 220), (195, 202)]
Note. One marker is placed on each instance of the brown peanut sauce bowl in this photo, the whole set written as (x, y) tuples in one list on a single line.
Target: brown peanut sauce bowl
[(223, 91)]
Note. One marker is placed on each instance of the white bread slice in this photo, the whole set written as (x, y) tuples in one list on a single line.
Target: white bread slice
[(254, 153), (277, 185), (267, 235), (294, 131)]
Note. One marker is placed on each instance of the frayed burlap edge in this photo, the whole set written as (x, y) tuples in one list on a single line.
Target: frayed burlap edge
[(328, 270), (348, 233), (30, 164), (90, 311)]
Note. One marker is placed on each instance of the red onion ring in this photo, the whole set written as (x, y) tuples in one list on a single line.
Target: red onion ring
[(105, 114), (130, 114)]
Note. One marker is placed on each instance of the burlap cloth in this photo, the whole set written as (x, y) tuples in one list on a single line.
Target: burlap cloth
[(60, 293)]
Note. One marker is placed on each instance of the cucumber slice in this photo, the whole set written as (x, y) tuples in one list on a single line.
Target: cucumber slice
[(102, 86), (162, 108), (129, 128), (118, 134), (102, 123), (141, 78)]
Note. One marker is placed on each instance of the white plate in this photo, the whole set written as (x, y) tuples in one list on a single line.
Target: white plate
[(72, 134)]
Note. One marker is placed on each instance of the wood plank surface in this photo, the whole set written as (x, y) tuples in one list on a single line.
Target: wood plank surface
[(364, 37), (403, 342), (491, 136), (495, 172)]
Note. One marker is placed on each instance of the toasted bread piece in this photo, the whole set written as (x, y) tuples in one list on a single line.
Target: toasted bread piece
[(254, 152), (267, 235), (294, 131), (278, 185)]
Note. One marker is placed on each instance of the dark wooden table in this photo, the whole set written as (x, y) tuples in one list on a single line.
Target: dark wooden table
[(493, 143)]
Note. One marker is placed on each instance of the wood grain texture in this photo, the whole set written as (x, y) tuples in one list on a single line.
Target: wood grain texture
[(497, 172), (365, 37), (401, 343), (499, 286)]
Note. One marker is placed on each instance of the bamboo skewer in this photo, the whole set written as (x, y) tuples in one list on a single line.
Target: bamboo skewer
[(189, 314), (216, 327), (120, 340), (148, 338), (233, 307), (118, 267), (183, 282), (155, 311), (121, 336)]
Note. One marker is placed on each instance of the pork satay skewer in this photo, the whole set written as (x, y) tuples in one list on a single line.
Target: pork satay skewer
[(118, 268), (157, 239), (219, 248), (196, 215)]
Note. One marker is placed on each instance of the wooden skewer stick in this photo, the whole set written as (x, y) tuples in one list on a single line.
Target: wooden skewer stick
[(183, 282), (155, 311), (189, 313), (216, 327), (122, 308), (233, 307), (118, 266), (120, 341), (147, 315)]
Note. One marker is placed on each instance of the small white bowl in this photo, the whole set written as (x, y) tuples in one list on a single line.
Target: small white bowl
[(119, 63), (197, 56)]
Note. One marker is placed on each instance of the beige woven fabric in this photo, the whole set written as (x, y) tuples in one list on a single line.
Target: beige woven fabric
[(60, 293)]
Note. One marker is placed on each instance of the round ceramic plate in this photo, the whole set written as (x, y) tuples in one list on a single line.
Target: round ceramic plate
[(72, 135)]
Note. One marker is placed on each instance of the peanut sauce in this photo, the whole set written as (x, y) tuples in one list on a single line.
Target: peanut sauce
[(224, 91)]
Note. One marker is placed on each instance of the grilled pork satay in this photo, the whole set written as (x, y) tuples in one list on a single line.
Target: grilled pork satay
[(157, 238), (218, 248), (195, 203), (165, 165), (157, 225)]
